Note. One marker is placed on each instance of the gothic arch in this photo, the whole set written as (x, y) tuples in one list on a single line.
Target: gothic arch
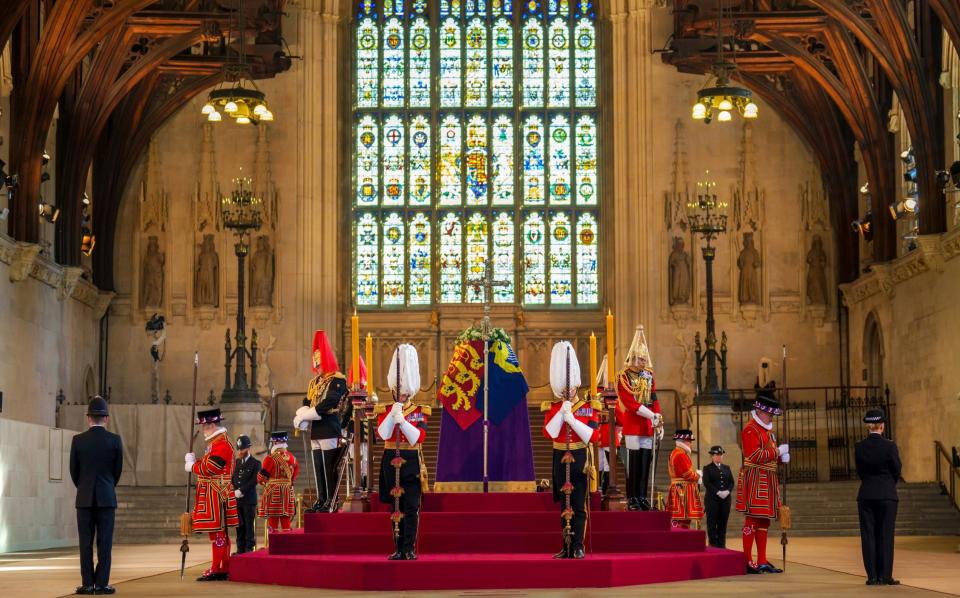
[(873, 351)]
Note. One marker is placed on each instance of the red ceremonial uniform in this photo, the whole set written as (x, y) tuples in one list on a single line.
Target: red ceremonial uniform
[(416, 415), (586, 411), (636, 388), (277, 475), (758, 490), (215, 507), (684, 498), (604, 431), (410, 475)]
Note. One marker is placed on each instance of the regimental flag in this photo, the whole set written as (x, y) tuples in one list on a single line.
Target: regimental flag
[(461, 389)]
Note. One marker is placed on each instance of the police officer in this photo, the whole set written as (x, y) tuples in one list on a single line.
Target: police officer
[(718, 484), (878, 467), (245, 489)]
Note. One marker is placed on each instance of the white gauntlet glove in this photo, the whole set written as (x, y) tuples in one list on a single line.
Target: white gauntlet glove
[(645, 411), (238, 494), (723, 494), (785, 457), (700, 476), (188, 460), (657, 418), (783, 449)]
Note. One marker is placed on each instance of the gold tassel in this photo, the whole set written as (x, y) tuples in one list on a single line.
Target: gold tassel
[(786, 517)]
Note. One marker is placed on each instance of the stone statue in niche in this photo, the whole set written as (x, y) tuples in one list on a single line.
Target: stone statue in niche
[(151, 277), (749, 264), (262, 274), (817, 273), (679, 274), (206, 286)]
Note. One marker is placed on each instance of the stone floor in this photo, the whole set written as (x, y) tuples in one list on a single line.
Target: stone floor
[(928, 566)]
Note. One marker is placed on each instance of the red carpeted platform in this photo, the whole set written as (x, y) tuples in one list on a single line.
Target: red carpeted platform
[(476, 541)]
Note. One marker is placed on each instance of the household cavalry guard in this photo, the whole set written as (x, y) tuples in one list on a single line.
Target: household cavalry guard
[(572, 424), (403, 475), (326, 398), (638, 411), (215, 507), (277, 475), (758, 486), (684, 500)]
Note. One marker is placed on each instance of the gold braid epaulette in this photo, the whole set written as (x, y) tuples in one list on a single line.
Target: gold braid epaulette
[(545, 406), (636, 385), (597, 404), (317, 388)]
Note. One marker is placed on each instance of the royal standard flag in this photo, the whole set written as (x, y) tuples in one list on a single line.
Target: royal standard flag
[(461, 388), (507, 385)]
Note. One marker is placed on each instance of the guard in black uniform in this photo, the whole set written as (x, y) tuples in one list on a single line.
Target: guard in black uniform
[(878, 467), (718, 482), (245, 471), (325, 393)]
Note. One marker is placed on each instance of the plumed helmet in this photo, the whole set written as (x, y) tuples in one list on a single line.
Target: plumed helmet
[(405, 358), (558, 370), (323, 359), (639, 348)]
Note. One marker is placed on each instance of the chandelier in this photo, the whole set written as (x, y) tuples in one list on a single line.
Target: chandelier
[(707, 213), (243, 102), (721, 97), (242, 209)]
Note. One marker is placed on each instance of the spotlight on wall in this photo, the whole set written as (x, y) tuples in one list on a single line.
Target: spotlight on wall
[(905, 207), (44, 177), (907, 155), (48, 212), (86, 199), (87, 241), (864, 227), (865, 189), (954, 174), (45, 158)]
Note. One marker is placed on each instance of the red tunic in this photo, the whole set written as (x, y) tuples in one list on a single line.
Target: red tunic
[(684, 498), (586, 411), (277, 475), (215, 507), (628, 403), (605, 435), (758, 489), (416, 415)]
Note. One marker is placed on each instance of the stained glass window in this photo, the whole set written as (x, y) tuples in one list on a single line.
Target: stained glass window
[(475, 147)]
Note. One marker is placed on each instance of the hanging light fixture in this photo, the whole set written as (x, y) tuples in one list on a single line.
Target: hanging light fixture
[(720, 97), (243, 101)]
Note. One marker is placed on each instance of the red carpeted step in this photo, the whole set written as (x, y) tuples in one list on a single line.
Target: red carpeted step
[(473, 502), (481, 571), (487, 542), (485, 521)]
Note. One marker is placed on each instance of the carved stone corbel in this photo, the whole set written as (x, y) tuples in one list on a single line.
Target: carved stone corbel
[(931, 248), (22, 259), (102, 303), (884, 274), (68, 282)]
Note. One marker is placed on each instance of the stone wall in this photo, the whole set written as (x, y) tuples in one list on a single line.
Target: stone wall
[(914, 302), (654, 152), (36, 492), (50, 337)]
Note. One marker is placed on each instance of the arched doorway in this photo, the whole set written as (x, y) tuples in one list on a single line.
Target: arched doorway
[(873, 352)]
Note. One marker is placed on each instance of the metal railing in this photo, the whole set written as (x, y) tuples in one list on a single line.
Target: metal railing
[(948, 466)]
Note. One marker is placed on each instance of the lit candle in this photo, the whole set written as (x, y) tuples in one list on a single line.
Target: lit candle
[(593, 365), (610, 352), (369, 364), (355, 347)]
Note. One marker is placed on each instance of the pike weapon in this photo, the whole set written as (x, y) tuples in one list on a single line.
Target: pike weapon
[(786, 470), (186, 518), (656, 457), (397, 463), (567, 484)]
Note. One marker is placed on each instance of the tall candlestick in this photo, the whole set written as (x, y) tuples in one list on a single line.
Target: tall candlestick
[(369, 365), (611, 380), (593, 365), (355, 347)]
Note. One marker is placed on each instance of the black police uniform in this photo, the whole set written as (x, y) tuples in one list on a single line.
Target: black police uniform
[(878, 467), (96, 462), (717, 478), (245, 480)]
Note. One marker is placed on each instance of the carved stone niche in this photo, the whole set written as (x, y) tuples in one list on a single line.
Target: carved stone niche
[(818, 313), (21, 260), (205, 315)]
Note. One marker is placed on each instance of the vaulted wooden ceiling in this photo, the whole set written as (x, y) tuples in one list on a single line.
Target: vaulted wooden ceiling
[(113, 71), (831, 68)]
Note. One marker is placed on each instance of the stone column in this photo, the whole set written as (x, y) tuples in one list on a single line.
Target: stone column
[(631, 207), (318, 201)]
